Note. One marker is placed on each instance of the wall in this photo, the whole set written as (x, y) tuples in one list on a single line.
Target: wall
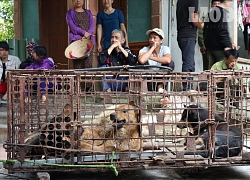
[(30, 25), (26, 26), (166, 22), (139, 20)]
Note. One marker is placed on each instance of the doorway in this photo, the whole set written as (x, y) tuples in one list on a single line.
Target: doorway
[(54, 30)]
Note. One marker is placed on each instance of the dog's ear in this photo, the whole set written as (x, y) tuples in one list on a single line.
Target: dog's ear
[(136, 110), (132, 103)]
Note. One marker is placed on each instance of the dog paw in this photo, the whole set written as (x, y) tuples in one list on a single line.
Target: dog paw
[(66, 139), (200, 147)]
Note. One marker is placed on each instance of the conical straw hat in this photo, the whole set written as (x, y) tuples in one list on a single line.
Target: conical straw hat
[(79, 49)]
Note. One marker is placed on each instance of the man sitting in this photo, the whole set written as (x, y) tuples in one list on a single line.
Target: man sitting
[(155, 54), (229, 63), (116, 55), (7, 62)]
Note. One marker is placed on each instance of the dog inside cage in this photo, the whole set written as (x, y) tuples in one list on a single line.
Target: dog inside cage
[(80, 122)]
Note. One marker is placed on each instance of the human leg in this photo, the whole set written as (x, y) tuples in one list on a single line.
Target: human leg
[(187, 46), (79, 64), (120, 85), (87, 63), (151, 86), (205, 62), (214, 56), (106, 84), (3, 91)]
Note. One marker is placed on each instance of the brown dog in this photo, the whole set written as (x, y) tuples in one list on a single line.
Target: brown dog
[(117, 131)]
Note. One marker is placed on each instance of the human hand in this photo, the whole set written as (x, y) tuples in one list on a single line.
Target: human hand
[(99, 48), (234, 46), (155, 44), (203, 50), (227, 48), (116, 44), (113, 46), (87, 35), (120, 46)]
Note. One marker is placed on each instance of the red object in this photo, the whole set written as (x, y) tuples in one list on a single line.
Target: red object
[(3, 87), (108, 61), (70, 55), (89, 47)]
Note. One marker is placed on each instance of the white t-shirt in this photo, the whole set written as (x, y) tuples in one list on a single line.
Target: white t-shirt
[(163, 51), (13, 62)]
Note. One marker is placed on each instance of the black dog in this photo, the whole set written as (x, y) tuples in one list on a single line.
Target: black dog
[(51, 134), (194, 117)]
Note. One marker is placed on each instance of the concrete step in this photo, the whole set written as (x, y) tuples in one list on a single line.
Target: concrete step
[(3, 114)]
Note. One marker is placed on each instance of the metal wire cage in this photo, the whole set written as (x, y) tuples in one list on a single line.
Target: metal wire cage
[(58, 119)]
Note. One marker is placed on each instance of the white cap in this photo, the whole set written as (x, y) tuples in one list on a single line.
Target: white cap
[(157, 31)]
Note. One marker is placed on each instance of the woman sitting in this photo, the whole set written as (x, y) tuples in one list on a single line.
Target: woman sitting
[(41, 62)]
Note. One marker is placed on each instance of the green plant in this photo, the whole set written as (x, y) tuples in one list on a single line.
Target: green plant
[(6, 19)]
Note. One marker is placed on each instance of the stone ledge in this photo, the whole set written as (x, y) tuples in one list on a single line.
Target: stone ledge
[(243, 60)]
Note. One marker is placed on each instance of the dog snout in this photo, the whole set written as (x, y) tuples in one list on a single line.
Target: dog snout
[(113, 117), (181, 124), (119, 123)]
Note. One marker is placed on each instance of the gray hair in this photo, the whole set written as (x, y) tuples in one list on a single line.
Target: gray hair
[(119, 31)]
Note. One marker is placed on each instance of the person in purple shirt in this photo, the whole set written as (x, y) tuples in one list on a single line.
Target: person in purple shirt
[(41, 62), (81, 26)]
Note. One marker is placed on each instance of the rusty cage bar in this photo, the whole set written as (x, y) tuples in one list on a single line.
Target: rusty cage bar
[(63, 120)]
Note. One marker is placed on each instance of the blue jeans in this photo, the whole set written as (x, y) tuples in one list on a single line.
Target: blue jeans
[(187, 46), (115, 86), (119, 83)]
